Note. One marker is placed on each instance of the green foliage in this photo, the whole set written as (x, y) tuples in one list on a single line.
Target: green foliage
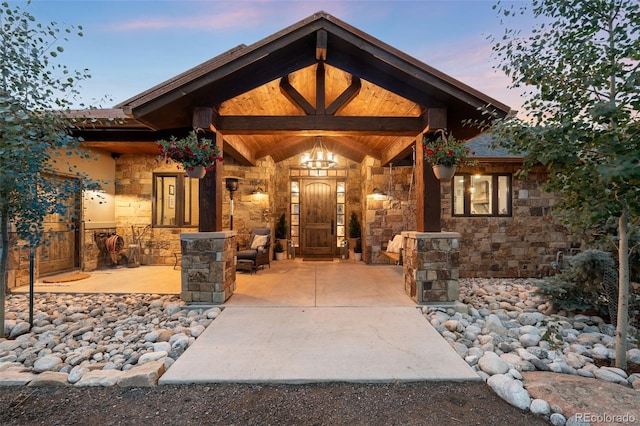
[(579, 68), (281, 227), (278, 247), (446, 150), (190, 151), (354, 226), (358, 247), (579, 288), (35, 95), (581, 113), (553, 334)]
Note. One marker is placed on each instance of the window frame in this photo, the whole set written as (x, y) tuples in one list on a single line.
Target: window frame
[(494, 195), (179, 194)]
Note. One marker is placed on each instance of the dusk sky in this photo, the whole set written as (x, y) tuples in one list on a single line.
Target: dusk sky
[(130, 46)]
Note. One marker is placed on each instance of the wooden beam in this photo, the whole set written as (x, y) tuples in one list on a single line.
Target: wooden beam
[(428, 206), (295, 97), (320, 89), (337, 125), (436, 118), (345, 97), (202, 117), (210, 196), (239, 150), (321, 45)]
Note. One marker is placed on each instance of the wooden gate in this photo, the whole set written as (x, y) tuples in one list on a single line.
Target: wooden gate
[(60, 249)]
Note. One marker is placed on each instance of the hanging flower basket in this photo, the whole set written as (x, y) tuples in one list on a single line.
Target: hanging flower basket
[(196, 172), (196, 155), (444, 172), (445, 153)]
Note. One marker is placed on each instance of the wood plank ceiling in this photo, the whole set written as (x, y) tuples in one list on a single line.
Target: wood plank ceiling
[(319, 77)]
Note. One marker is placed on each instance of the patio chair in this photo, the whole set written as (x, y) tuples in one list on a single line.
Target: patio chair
[(258, 250)]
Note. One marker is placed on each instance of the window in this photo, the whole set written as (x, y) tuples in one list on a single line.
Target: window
[(295, 213), (175, 200), (341, 188), (482, 195)]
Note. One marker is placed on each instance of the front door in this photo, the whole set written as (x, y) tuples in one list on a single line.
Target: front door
[(317, 216)]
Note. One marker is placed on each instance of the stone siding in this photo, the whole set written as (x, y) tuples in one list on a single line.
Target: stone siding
[(431, 266), (208, 269), (251, 210), (134, 200), (388, 215), (523, 245)]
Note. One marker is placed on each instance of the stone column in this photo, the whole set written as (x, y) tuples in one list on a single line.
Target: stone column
[(430, 266), (208, 267)]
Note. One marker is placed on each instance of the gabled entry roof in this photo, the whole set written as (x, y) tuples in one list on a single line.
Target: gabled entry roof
[(318, 77)]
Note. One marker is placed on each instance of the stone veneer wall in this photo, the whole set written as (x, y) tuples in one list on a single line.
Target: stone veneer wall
[(250, 210), (523, 245), (134, 185), (208, 269), (430, 268), (389, 215), (93, 256)]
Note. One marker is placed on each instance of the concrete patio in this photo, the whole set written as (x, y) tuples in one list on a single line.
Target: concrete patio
[(301, 322)]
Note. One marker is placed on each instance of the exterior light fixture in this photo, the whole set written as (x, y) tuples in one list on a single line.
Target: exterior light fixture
[(231, 183), (319, 157)]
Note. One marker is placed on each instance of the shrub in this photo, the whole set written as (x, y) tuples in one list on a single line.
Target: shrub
[(281, 228), (579, 288), (354, 226)]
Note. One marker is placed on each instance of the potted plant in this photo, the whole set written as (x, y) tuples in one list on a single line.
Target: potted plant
[(445, 153), (354, 233), (357, 250), (196, 155), (279, 250), (281, 230)]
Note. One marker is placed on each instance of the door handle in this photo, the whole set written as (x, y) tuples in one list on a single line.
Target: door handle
[(331, 226)]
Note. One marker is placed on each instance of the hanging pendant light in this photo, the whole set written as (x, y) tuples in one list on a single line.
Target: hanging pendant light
[(319, 157)]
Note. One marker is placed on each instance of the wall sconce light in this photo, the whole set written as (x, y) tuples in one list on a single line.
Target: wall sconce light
[(378, 194)]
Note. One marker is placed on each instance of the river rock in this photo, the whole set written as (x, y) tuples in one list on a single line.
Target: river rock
[(47, 363), (540, 407), (510, 390), (493, 325), (491, 364), (609, 376)]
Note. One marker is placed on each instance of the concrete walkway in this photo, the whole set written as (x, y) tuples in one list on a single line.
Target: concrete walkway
[(319, 322), (300, 322), (318, 344)]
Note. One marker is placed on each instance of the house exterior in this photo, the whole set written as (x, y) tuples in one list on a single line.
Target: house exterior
[(267, 104)]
